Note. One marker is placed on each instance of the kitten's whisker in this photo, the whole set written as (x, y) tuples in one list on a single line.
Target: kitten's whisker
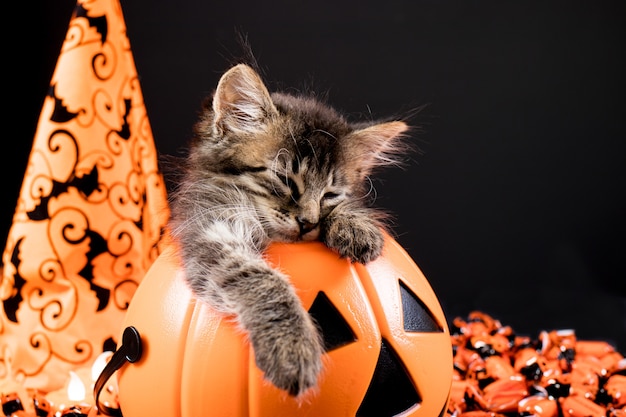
[(276, 161), (293, 137), (277, 167), (371, 190), (330, 135), (299, 163), (326, 133), (312, 149)]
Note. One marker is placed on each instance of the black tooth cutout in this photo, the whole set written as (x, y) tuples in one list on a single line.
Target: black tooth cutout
[(391, 391), (336, 332)]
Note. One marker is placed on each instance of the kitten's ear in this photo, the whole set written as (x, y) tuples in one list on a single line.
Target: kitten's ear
[(241, 102), (376, 145)]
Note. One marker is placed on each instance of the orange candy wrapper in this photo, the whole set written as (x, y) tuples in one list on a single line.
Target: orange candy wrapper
[(552, 376)]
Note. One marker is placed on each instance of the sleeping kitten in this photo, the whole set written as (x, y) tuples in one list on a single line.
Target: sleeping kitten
[(266, 168)]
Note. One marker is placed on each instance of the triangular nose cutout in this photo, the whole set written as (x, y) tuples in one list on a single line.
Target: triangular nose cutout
[(335, 330), (391, 391), (416, 316)]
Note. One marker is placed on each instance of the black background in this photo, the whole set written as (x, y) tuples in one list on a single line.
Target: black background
[(516, 204)]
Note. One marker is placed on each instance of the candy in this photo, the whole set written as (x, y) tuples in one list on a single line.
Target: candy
[(555, 375), (538, 405), (616, 388), (578, 406)]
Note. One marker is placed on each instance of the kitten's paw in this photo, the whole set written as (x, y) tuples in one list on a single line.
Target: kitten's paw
[(362, 242), (291, 359)]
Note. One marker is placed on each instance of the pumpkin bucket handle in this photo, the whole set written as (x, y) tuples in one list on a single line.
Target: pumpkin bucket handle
[(129, 351)]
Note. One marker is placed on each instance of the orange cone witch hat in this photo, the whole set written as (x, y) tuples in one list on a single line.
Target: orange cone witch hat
[(91, 209)]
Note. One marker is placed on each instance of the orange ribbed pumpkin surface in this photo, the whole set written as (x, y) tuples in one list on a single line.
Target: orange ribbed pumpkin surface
[(388, 345)]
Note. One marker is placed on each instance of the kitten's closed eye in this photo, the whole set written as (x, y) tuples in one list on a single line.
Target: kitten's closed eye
[(242, 169), (291, 185), (330, 195)]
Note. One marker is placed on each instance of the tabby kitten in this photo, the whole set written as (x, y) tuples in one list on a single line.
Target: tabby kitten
[(265, 168)]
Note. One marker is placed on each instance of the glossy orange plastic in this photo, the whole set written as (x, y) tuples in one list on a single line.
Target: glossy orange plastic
[(504, 395), (525, 357), (612, 362), (464, 358), (616, 412), (197, 363), (498, 367), (460, 389), (490, 323), (80, 411), (476, 370), (559, 377), (616, 388), (538, 405), (579, 406), (594, 347), (478, 413), (584, 377), (42, 405)]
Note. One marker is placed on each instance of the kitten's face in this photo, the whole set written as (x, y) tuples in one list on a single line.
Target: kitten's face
[(294, 157), (296, 190)]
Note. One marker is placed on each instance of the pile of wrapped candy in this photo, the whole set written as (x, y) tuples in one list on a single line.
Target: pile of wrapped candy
[(13, 407), (498, 373)]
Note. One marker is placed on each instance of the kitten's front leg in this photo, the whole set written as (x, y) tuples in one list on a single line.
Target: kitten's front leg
[(230, 274), (354, 233), (287, 345)]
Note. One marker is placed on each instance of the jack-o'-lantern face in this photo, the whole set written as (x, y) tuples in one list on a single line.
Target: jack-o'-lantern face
[(388, 349)]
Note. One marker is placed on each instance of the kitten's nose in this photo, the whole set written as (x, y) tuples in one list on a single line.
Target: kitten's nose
[(305, 225)]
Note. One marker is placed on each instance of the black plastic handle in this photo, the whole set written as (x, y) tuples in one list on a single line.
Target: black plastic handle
[(129, 351)]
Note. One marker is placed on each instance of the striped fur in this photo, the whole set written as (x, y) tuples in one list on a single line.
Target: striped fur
[(275, 167)]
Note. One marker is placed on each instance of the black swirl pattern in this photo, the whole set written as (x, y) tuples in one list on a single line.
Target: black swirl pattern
[(91, 211)]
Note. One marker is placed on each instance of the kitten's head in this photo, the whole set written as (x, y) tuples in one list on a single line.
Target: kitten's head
[(296, 157)]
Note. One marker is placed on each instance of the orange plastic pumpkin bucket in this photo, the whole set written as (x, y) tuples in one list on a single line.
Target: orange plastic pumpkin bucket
[(388, 344)]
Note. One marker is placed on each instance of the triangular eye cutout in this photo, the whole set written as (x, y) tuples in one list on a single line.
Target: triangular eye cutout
[(335, 330), (416, 316), (391, 391)]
